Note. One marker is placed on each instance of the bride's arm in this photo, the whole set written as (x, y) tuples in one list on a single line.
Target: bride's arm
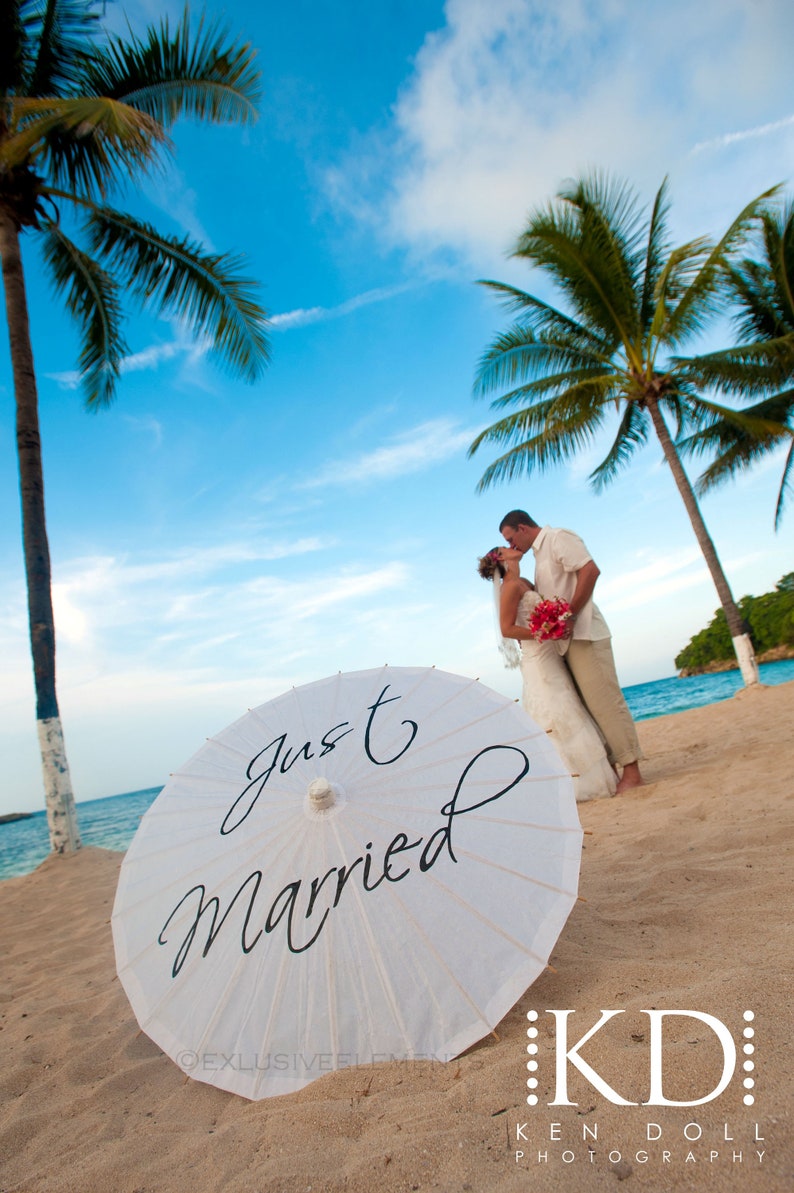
[(509, 600)]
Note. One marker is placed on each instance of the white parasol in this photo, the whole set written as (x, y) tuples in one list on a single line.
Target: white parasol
[(372, 867)]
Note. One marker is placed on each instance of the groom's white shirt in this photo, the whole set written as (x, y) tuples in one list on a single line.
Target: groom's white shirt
[(559, 554)]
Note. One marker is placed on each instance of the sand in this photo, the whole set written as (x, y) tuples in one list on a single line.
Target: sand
[(687, 886)]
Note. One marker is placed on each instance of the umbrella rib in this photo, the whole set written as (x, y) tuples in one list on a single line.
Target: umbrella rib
[(385, 982), (548, 886)]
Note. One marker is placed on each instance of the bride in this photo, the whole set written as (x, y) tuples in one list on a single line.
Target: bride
[(548, 694)]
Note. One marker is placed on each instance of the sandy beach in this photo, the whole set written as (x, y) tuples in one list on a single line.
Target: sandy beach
[(686, 887)]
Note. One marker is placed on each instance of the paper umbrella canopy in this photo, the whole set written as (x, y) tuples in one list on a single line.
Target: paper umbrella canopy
[(371, 867)]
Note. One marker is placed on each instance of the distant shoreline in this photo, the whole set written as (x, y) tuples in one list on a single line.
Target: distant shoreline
[(776, 654), (9, 817)]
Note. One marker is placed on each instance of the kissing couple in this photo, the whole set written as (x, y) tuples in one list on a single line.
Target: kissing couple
[(570, 684)]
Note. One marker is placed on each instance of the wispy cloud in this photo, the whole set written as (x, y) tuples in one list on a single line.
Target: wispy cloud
[(99, 575), (762, 130), (663, 576), (303, 315), (170, 192), (412, 451), (113, 615), (148, 425), (153, 356), (68, 380), (343, 589), (147, 360)]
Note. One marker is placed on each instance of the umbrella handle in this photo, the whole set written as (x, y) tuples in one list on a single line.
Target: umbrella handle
[(321, 795)]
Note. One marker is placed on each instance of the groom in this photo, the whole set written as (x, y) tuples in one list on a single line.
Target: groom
[(565, 569)]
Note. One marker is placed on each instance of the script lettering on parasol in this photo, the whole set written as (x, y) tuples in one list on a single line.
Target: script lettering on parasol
[(302, 907), (278, 756)]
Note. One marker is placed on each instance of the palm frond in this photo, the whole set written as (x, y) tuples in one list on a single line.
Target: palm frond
[(744, 370), (740, 454), (763, 285), (542, 317), (631, 434), (44, 45), (83, 143), (759, 313), (575, 249), (168, 75), (582, 406), (15, 48), (656, 253), (577, 411), (613, 234), (178, 277), (786, 485), (706, 294), (552, 446), (92, 298), (740, 439), (617, 219), (679, 270), (754, 429), (518, 352), (681, 405), (553, 385), (521, 423), (781, 258), (61, 31)]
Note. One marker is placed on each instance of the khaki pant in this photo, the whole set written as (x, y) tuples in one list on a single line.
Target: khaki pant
[(592, 666)]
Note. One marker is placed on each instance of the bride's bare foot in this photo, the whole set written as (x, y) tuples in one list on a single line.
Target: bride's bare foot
[(631, 777)]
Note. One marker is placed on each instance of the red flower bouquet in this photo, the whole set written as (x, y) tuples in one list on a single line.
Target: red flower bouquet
[(549, 620)]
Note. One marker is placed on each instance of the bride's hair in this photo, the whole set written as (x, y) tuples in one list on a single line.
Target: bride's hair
[(490, 564)]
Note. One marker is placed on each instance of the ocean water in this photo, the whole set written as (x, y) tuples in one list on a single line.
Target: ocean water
[(111, 822), (677, 695)]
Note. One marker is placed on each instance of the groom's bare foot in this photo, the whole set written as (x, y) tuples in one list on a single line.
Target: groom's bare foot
[(631, 777)]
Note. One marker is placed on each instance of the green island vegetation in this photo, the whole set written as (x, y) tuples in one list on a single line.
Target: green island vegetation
[(771, 621)]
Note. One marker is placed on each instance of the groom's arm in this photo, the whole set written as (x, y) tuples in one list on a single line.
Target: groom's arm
[(585, 583)]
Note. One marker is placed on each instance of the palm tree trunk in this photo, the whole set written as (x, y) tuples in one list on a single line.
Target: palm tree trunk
[(61, 814), (742, 643)]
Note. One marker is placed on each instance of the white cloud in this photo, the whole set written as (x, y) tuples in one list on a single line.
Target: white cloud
[(93, 575), (151, 357), (67, 380), (299, 316), (725, 139), (663, 576), (147, 360), (511, 98), (222, 605), (346, 588), (412, 451), (303, 315)]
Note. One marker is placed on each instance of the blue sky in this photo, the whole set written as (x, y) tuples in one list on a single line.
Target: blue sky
[(215, 543)]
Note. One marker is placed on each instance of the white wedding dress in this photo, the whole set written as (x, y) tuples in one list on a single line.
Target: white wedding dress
[(551, 699)]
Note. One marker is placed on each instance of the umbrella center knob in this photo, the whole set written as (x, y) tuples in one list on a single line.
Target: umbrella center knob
[(321, 794)]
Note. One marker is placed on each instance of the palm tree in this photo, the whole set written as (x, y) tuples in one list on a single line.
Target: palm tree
[(79, 116), (763, 363), (633, 300)]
